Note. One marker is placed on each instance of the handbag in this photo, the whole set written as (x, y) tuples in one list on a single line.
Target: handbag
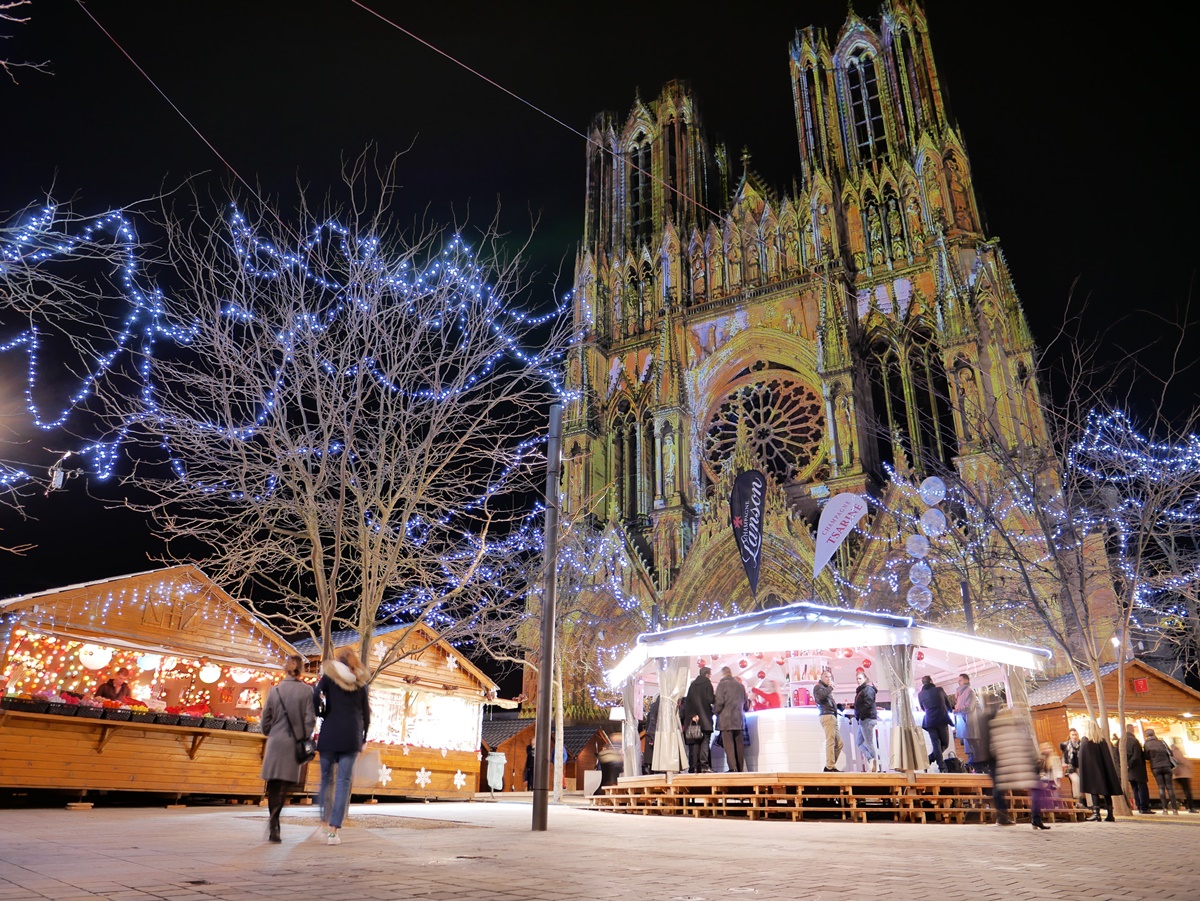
[(306, 748), (693, 732)]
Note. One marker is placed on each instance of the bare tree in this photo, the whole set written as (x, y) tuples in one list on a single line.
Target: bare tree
[(12, 13), (340, 419)]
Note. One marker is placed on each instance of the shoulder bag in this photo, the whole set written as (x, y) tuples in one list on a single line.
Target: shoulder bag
[(306, 748)]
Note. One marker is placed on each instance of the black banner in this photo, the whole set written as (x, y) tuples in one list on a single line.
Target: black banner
[(746, 516)]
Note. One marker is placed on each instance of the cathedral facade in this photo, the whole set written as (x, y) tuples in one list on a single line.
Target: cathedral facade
[(863, 322)]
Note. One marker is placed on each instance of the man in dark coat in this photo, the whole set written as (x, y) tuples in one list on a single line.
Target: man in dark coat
[(1098, 776), (729, 704), (1135, 756), (1161, 764), (936, 705), (698, 708)]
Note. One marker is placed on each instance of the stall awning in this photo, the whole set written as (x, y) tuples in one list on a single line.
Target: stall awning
[(805, 626)]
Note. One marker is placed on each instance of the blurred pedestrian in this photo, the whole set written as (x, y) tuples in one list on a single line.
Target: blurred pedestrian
[(287, 717), (1161, 764), (611, 760), (651, 731), (698, 708), (729, 704), (341, 693), (1015, 762), (530, 757), (936, 724), (1183, 773), (1135, 758)]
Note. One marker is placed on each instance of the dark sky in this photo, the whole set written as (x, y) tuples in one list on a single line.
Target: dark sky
[(1077, 136)]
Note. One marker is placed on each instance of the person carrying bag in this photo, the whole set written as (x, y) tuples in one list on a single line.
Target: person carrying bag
[(282, 764)]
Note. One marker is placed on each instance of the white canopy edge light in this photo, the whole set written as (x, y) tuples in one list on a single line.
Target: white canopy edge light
[(718, 645)]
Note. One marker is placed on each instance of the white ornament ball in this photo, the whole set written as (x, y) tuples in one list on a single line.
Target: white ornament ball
[(933, 522), (920, 596), (933, 491), (917, 545), (920, 574), (95, 657)]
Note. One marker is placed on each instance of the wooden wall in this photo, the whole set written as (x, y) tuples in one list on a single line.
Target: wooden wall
[(44, 751)]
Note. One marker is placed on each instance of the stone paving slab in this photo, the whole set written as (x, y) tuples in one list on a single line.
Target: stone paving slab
[(220, 854)]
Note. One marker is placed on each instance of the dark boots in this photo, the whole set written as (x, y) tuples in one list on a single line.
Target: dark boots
[(275, 807)]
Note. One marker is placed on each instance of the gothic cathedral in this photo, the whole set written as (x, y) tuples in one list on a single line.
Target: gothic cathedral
[(862, 322)]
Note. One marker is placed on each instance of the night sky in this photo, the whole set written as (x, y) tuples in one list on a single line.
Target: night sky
[(1075, 129)]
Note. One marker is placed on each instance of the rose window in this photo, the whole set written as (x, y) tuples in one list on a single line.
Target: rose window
[(784, 421)]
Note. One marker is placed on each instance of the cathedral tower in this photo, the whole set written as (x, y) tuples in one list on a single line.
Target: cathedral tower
[(864, 320)]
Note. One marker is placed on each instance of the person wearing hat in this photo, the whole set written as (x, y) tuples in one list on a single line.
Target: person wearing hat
[(698, 708), (867, 718), (1161, 764)]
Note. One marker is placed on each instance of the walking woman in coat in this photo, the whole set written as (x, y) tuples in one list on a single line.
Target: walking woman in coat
[(1015, 761), (346, 718), (290, 703)]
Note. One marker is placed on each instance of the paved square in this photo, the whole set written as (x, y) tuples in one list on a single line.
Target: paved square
[(206, 853)]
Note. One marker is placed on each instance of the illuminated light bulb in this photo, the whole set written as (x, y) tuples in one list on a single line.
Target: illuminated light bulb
[(149, 661), (241, 676), (209, 673)]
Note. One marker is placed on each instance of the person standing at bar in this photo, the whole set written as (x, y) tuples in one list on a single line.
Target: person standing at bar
[(827, 716), (865, 713), (729, 705), (964, 703), (936, 705), (698, 708)]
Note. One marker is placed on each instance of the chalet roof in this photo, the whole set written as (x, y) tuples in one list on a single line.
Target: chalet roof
[(346, 637), (496, 732), (576, 737), (1059, 689), (172, 610)]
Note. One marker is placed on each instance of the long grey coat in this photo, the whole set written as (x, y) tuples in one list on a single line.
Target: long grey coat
[(279, 759), (730, 704)]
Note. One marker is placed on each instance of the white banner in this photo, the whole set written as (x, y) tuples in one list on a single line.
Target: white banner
[(837, 519)]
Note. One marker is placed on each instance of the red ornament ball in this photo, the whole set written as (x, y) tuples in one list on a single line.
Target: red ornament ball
[(701, 662), (743, 663), (847, 653), (779, 661), (920, 655), (761, 674), (866, 664)]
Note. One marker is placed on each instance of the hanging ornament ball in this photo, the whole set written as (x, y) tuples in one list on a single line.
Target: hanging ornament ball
[(933, 522), (758, 656), (743, 663), (847, 653), (149, 661), (920, 597), (761, 674), (920, 655), (933, 491), (241, 676), (920, 573), (866, 664), (209, 673), (95, 657), (779, 661), (169, 663), (701, 662), (917, 545)]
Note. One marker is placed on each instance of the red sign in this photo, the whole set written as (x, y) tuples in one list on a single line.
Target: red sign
[(1141, 686)]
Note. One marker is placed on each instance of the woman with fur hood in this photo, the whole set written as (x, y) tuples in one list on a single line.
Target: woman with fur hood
[(341, 695)]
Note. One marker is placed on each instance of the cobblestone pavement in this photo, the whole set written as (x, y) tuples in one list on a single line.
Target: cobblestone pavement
[(206, 853)]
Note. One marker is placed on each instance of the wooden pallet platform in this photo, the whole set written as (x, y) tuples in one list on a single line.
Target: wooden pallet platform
[(857, 797)]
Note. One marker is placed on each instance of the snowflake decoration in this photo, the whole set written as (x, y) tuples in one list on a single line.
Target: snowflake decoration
[(424, 777), (385, 775), (479, 755), (443, 752), (452, 663), (406, 750), (460, 779)]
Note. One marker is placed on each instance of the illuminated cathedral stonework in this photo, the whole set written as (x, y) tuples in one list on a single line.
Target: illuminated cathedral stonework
[(863, 320)]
